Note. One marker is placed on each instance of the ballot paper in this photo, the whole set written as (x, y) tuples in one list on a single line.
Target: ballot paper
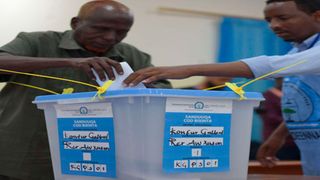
[(117, 84)]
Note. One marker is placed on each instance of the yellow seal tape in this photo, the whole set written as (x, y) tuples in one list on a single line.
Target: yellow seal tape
[(48, 77), (67, 91), (239, 90), (34, 87), (236, 89), (101, 90)]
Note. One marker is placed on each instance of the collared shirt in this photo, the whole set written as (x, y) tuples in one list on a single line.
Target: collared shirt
[(261, 65), (305, 45), (301, 97), (24, 148)]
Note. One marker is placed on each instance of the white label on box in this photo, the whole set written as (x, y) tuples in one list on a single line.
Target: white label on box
[(86, 139), (197, 135), (196, 152), (84, 110), (86, 146), (180, 164), (199, 105), (100, 168), (86, 167), (89, 135), (87, 156), (74, 166), (197, 130), (195, 141)]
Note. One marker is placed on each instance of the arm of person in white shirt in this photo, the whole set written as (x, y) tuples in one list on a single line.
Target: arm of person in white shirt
[(251, 67)]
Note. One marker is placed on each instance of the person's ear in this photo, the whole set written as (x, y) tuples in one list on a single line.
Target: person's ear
[(74, 22)]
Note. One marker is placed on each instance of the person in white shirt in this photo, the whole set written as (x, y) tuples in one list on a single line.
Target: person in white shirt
[(301, 97)]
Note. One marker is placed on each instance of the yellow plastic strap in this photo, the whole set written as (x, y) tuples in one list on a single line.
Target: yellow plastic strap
[(49, 77), (67, 91), (221, 86), (239, 90), (236, 89), (215, 87), (34, 87), (273, 72), (103, 89)]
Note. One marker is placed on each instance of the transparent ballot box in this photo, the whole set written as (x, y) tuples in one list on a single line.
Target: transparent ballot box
[(149, 134)]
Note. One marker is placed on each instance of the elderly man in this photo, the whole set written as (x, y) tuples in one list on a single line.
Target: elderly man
[(94, 43)]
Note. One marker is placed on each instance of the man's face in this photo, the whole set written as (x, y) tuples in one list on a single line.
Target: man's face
[(100, 32), (288, 22)]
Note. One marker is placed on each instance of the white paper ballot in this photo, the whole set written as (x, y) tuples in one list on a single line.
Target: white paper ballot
[(117, 84)]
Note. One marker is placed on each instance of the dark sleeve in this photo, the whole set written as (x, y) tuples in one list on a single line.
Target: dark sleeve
[(4, 77), (139, 60), (22, 45)]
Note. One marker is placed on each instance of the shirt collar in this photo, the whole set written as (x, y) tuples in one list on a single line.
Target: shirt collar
[(306, 44), (68, 43)]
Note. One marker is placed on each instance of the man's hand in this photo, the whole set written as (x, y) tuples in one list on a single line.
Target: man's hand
[(100, 64), (152, 74), (266, 154)]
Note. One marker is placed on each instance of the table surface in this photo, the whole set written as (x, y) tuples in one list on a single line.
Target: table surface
[(280, 177), (282, 167), (284, 170)]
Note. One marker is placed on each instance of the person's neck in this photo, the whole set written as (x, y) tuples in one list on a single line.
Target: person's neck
[(307, 37)]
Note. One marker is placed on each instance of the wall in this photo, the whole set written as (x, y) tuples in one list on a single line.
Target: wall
[(172, 39)]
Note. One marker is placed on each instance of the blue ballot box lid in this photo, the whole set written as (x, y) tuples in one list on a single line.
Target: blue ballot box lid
[(152, 92)]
